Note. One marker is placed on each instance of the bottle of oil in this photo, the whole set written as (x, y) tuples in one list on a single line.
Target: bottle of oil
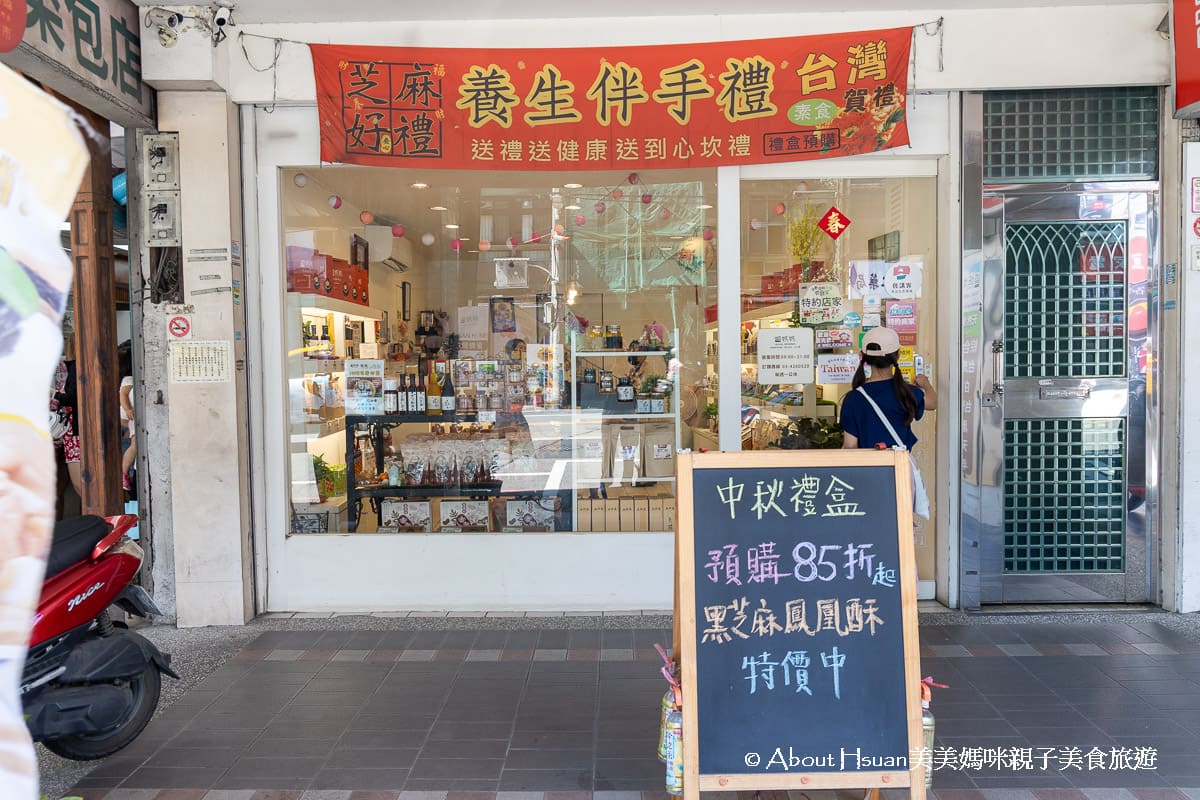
[(433, 392)]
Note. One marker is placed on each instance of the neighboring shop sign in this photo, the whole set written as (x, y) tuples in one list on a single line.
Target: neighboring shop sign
[(785, 355), (1185, 33), (820, 303), (89, 51), (647, 107), (837, 367), (797, 595)]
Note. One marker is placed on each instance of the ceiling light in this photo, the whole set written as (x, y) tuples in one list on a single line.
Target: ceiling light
[(573, 205), (453, 226), (437, 208), (704, 206), (419, 185), (573, 185)]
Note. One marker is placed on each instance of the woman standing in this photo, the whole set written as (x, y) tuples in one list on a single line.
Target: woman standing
[(880, 378)]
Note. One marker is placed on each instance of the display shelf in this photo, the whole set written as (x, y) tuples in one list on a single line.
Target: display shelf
[(320, 302), (488, 488), (583, 354), (335, 503), (313, 366), (605, 415), (317, 430)]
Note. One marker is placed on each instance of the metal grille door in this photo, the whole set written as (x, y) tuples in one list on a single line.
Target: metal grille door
[(1064, 499)]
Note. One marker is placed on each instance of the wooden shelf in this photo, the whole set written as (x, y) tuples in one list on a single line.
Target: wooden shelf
[(322, 303), (318, 429)]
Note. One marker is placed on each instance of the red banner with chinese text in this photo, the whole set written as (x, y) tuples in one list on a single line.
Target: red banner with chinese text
[(648, 107)]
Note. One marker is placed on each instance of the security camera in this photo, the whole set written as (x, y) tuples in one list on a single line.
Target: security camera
[(162, 18), (223, 15)]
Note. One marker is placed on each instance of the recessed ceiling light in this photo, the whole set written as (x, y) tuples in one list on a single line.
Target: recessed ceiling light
[(451, 226), (573, 185), (437, 208), (704, 206), (573, 205), (420, 185)]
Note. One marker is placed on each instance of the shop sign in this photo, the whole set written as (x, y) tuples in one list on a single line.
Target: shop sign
[(834, 338), (820, 303), (89, 51), (1185, 33), (644, 107), (785, 356), (837, 367), (903, 280)]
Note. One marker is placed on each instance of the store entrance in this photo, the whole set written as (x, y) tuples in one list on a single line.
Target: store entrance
[(1066, 368)]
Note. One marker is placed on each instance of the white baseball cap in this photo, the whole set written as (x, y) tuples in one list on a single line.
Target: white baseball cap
[(880, 342)]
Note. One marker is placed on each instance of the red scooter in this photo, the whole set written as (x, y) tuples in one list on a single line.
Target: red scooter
[(90, 686)]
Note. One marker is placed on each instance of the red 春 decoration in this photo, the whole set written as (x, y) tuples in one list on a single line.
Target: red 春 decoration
[(834, 222)]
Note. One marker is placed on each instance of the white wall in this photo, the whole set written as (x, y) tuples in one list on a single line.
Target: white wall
[(1084, 45)]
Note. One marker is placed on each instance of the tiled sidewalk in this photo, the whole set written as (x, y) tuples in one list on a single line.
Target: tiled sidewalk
[(570, 714)]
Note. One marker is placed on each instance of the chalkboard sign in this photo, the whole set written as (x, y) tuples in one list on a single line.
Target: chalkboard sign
[(797, 593)]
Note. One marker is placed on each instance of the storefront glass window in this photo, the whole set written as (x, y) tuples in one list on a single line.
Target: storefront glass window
[(488, 352)]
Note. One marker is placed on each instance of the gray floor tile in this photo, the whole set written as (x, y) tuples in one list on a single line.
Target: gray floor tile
[(174, 778), (371, 758), (466, 748), (549, 759), (464, 768), (546, 780), (360, 779)]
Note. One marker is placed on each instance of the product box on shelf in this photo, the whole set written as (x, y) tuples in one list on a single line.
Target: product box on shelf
[(641, 514), (406, 516), (305, 270), (583, 514), (626, 511), (530, 515), (668, 513), (612, 515), (655, 511), (463, 516)]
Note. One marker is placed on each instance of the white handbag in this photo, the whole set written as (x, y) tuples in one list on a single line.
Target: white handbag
[(920, 496)]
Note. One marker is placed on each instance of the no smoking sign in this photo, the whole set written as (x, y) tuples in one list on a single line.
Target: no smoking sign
[(180, 326)]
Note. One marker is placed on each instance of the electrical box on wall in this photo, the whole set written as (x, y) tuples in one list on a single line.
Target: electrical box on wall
[(160, 219), (160, 160)]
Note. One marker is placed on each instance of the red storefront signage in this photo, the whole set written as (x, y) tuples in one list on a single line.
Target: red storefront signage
[(670, 106), (1185, 33), (12, 24)]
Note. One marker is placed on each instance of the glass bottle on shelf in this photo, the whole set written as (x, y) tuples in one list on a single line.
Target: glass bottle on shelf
[(449, 401), (325, 348), (433, 393), (416, 396), (402, 395)]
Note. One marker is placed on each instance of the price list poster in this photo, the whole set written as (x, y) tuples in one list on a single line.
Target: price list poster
[(797, 608)]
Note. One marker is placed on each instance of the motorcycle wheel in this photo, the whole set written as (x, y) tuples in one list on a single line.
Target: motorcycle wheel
[(84, 747)]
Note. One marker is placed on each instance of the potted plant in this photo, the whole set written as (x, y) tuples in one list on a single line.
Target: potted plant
[(808, 433), (323, 471), (710, 414)]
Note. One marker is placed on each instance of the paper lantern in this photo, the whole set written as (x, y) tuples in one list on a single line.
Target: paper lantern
[(780, 209), (456, 244), (300, 179), (513, 242), (484, 245), (647, 198), (536, 238), (617, 194), (755, 224), (366, 217), (428, 239), (580, 219), (665, 214), (633, 178), (600, 207), (398, 231), (707, 235), (335, 201)]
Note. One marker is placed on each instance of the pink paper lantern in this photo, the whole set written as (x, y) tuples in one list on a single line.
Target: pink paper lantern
[(755, 224), (665, 214), (633, 178), (617, 194), (780, 209), (335, 201), (580, 219), (707, 235), (398, 231), (536, 238), (366, 218), (600, 207), (456, 244), (484, 245), (647, 198), (513, 242)]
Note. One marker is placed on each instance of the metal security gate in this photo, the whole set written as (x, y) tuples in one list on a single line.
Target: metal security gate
[(1062, 400)]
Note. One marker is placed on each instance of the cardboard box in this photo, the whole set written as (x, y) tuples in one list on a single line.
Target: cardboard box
[(529, 515), (463, 516), (407, 516), (612, 515), (668, 513), (583, 514), (627, 514), (656, 514), (641, 512)]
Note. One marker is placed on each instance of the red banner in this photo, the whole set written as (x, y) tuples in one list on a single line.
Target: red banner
[(1185, 33), (650, 107)]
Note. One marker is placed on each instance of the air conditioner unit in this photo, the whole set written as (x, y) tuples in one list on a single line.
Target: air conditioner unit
[(387, 250)]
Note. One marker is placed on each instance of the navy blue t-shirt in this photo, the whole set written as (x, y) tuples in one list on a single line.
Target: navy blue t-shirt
[(861, 421)]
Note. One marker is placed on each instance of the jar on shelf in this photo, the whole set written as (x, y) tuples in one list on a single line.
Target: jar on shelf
[(643, 403), (612, 337), (625, 391), (658, 403)]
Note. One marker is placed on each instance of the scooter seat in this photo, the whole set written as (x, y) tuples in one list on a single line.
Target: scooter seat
[(74, 540)]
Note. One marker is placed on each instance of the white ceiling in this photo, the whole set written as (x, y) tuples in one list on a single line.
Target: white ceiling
[(260, 11)]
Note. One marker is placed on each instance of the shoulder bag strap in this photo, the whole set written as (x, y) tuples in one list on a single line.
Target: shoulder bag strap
[(879, 412)]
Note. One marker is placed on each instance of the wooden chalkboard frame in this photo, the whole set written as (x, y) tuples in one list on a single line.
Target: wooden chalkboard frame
[(685, 621)]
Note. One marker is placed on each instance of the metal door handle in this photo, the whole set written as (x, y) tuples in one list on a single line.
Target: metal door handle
[(998, 367)]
